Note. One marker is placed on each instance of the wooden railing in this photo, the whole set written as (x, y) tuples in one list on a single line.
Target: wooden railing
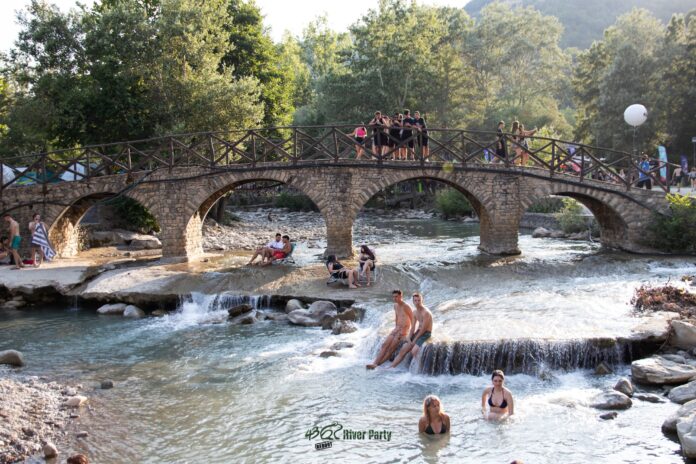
[(310, 145)]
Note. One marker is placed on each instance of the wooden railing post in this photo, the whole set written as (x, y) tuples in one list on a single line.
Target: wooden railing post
[(212, 150), (553, 159), (582, 165), (253, 147), (171, 154), (335, 140)]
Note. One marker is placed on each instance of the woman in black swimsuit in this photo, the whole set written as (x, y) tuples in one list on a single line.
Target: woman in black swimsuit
[(434, 420), (366, 261), (339, 271), (499, 399)]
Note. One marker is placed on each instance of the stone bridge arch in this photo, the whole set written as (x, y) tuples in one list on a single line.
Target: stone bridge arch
[(190, 202), (621, 217)]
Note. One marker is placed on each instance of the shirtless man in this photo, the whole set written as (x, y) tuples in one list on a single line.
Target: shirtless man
[(403, 322), (424, 322), (15, 240)]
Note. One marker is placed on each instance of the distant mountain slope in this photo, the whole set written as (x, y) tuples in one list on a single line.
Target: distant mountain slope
[(586, 20)]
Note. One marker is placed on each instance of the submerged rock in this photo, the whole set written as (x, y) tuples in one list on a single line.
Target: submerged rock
[(602, 369), (683, 393), (328, 354), (112, 309), (611, 400), (342, 345), (107, 384), (343, 327), (134, 312), (658, 371), (303, 317), (624, 386), (649, 397), (352, 314), (159, 312), (609, 415), (12, 358), (239, 310)]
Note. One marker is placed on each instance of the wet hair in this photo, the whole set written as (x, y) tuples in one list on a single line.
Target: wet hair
[(426, 402), (397, 292), (286, 236), (330, 259), (78, 459), (497, 373), (366, 249), (417, 294), (33, 216)]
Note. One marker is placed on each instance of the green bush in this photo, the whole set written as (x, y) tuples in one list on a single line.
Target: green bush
[(570, 217), (546, 205), (294, 202), (675, 233), (452, 203), (135, 215)]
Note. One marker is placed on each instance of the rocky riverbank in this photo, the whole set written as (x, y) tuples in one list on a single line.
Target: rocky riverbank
[(38, 418)]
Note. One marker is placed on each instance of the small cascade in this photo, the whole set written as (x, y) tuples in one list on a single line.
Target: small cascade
[(201, 308), (528, 356), (225, 301)]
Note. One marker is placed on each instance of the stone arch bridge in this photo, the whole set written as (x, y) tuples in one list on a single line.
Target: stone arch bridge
[(181, 182)]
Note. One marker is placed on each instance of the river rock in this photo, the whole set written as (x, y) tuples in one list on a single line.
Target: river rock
[(159, 312), (611, 400), (133, 311), (343, 327), (540, 232), (327, 321), (303, 317), (323, 307), (50, 450), (112, 309), (352, 314), (670, 424), (247, 320), (328, 354), (341, 345), (677, 358), (76, 401), (684, 334), (602, 369), (624, 386), (12, 358), (683, 393), (278, 317), (557, 234), (107, 384), (239, 310), (686, 431), (659, 371), (292, 305), (649, 397), (609, 415)]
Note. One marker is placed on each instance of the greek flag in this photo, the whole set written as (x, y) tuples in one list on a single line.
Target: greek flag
[(40, 239)]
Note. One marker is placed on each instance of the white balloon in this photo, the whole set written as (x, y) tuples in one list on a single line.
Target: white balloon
[(635, 115)]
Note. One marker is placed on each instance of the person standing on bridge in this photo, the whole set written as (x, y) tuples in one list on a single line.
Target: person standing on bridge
[(423, 140), (500, 144), (407, 135), (377, 124), (15, 240)]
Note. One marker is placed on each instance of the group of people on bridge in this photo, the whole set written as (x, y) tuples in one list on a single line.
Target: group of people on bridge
[(397, 136)]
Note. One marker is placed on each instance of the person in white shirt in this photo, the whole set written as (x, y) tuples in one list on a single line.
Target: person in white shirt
[(266, 252)]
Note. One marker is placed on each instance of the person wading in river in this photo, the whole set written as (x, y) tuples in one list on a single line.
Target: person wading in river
[(424, 322), (403, 321), (499, 399)]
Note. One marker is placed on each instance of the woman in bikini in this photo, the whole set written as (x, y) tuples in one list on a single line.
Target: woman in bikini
[(499, 399), (359, 134), (366, 262), (434, 420)]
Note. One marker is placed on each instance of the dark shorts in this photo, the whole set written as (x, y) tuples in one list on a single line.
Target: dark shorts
[(423, 140), (393, 138), (423, 338), (500, 152), (405, 136), (377, 140), (360, 140)]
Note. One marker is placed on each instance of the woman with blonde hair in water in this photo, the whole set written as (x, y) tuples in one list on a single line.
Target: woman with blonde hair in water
[(434, 420), (499, 399)]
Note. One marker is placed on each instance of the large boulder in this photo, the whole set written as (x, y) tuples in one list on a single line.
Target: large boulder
[(320, 308), (304, 318), (684, 334), (239, 310), (12, 357), (292, 305), (351, 314), (659, 371), (342, 327), (670, 424), (115, 309), (541, 232), (611, 400), (134, 312), (624, 386), (683, 393), (686, 431)]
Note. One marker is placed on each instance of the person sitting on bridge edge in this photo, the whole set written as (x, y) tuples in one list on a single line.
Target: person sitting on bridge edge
[(15, 240), (266, 252), (500, 145)]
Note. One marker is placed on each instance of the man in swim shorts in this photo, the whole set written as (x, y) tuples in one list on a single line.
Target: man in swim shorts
[(266, 252), (15, 240), (403, 322), (420, 330)]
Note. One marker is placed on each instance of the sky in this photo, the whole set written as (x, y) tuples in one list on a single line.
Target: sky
[(280, 15)]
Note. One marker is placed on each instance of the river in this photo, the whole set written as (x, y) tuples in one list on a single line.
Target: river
[(192, 390)]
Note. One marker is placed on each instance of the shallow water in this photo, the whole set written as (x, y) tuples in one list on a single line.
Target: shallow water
[(189, 389)]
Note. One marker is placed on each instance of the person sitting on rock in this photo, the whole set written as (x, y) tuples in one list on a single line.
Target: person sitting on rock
[(499, 399), (403, 320), (366, 261), (340, 272), (5, 255), (421, 330), (266, 252), (282, 253)]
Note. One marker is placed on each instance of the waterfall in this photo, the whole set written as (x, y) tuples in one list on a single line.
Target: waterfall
[(201, 308), (528, 356)]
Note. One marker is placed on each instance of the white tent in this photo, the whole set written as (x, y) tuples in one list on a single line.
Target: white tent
[(7, 173), (70, 176)]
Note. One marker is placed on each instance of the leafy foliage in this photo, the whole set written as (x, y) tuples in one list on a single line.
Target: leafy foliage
[(570, 217), (675, 233), (547, 205), (134, 214), (452, 203), (294, 202)]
